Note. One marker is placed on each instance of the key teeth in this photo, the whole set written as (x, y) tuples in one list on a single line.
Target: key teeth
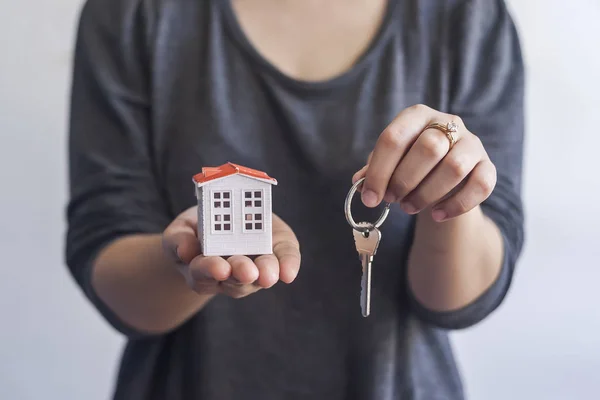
[(363, 295), (366, 251)]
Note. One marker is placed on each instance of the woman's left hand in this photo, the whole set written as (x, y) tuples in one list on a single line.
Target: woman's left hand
[(416, 167)]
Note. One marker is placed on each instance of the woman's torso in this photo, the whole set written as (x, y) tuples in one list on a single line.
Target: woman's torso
[(216, 99)]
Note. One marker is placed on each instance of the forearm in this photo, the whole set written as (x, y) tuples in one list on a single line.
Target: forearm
[(135, 279), (452, 263)]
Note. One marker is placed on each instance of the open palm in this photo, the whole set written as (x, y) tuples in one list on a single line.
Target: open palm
[(236, 276)]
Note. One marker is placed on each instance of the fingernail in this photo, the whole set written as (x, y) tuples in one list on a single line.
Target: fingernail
[(179, 260), (409, 208), (389, 197), (439, 215), (369, 197)]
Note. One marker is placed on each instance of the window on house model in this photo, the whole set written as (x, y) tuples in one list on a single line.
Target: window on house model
[(253, 211), (221, 211)]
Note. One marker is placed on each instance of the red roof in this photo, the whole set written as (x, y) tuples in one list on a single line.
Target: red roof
[(212, 173)]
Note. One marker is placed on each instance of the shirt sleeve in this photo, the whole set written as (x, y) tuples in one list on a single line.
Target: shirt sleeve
[(113, 186), (487, 92)]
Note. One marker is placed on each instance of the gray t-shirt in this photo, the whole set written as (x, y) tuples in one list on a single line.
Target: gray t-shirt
[(162, 88)]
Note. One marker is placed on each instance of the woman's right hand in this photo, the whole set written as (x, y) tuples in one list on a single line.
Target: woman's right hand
[(237, 276)]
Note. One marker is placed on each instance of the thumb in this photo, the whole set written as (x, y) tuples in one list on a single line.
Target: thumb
[(180, 240)]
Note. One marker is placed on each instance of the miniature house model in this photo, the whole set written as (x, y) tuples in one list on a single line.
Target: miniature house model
[(234, 210)]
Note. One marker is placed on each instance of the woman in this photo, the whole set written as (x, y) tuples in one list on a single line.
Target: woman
[(308, 91)]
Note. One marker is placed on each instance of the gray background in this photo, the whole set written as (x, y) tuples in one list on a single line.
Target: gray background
[(544, 343)]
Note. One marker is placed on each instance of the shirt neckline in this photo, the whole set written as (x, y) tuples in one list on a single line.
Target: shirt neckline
[(377, 42)]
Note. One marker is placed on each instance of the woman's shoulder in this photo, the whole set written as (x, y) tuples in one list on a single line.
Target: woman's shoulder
[(442, 8), (141, 17), (118, 12), (472, 9), (453, 15)]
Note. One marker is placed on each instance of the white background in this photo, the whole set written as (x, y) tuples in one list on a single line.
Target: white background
[(543, 344)]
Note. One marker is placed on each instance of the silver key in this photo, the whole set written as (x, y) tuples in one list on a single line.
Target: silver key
[(366, 237), (366, 245)]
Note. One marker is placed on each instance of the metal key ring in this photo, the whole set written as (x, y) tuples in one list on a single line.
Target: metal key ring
[(348, 211)]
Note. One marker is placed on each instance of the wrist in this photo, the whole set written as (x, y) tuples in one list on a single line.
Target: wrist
[(443, 238)]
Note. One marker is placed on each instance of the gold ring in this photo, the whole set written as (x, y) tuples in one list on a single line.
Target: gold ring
[(449, 130)]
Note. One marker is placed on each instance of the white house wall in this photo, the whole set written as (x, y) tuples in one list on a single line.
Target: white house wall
[(201, 210), (238, 241)]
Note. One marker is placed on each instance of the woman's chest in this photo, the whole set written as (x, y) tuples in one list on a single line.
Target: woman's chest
[(214, 102), (320, 143), (326, 37)]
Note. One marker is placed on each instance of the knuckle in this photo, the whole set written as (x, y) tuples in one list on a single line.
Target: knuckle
[(486, 185), (433, 145), (458, 120), (419, 108), (392, 138), (457, 166), (486, 182)]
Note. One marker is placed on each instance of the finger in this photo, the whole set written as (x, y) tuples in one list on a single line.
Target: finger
[(369, 158), (210, 268), (446, 175), (243, 269), (184, 270), (236, 290), (180, 239), (427, 151), (268, 270), (287, 250), (478, 187), (360, 174), (288, 255), (392, 145), (206, 286)]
